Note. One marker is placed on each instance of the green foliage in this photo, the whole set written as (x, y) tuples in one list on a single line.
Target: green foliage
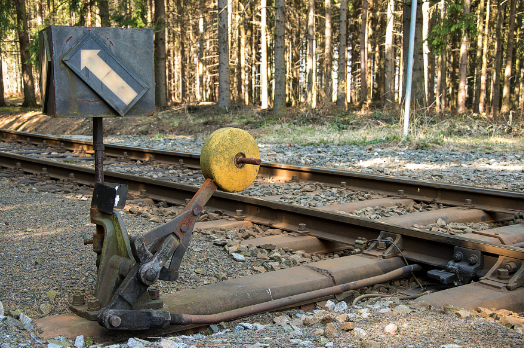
[(7, 15), (452, 25), (137, 18)]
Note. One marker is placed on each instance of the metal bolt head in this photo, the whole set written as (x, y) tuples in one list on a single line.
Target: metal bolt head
[(511, 267), (503, 273), (115, 321), (78, 299), (473, 259), (343, 183), (183, 228), (181, 161), (150, 274), (196, 211), (457, 256), (93, 305), (301, 227), (467, 201), (239, 212), (44, 170), (154, 294), (381, 245), (400, 192), (294, 177)]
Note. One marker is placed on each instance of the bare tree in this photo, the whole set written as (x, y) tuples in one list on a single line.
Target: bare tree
[(509, 59), (463, 65), (280, 65), (342, 75), (25, 55), (311, 61), (363, 54), (160, 54), (224, 94), (501, 7), (263, 54), (390, 55), (484, 70), (103, 12), (328, 55)]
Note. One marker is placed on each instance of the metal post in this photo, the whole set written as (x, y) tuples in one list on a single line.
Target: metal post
[(410, 65), (98, 146)]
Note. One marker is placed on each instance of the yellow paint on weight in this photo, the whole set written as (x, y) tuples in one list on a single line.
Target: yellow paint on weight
[(217, 159)]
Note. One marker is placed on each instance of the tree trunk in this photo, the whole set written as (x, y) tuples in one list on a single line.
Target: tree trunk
[(243, 43), (363, 54), (250, 58), (2, 100), (389, 92), (425, 45), (480, 41), (280, 64), (463, 64), (200, 68), (311, 66), (103, 12), (160, 54), (509, 59), (342, 75), (224, 95), (25, 55), (328, 87), (484, 70), (498, 57), (263, 54)]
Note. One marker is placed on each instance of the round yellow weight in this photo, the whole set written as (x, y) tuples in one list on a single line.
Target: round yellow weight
[(217, 159)]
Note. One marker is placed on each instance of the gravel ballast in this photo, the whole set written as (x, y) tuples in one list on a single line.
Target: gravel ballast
[(43, 259)]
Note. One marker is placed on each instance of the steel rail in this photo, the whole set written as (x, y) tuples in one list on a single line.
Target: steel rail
[(489, 200), (426, 247)]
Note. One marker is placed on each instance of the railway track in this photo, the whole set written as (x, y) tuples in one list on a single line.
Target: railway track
[(492, 257)]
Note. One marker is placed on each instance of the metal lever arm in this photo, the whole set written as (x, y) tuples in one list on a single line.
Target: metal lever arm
[(135, 284)]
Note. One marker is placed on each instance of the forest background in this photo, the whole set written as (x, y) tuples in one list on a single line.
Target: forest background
[(303, 60)]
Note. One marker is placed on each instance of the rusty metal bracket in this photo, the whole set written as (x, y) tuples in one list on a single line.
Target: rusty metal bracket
[(386, 246), (506, 273)]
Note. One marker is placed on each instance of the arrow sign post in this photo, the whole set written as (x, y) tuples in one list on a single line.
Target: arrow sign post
[(105, 73)]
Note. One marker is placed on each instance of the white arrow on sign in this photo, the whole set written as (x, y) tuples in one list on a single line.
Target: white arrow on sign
[(91, 60)]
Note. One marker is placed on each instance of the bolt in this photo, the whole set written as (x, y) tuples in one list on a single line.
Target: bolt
[(88, 241), (381, 245), (502, 273), (44, 170), (196, 211), (473, 259), (468, 203), (150, 274), (294, 178), (154, 294), (343, 183), (151, 158), (301, 227), (239, 212), (78, 299), (71, 176), (115, 321), (93, 305), (181, 162), (183, 228), (511, 267), (457, 256), (243, 160)]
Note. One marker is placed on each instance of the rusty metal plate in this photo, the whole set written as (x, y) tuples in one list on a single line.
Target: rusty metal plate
[(98, 72)]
